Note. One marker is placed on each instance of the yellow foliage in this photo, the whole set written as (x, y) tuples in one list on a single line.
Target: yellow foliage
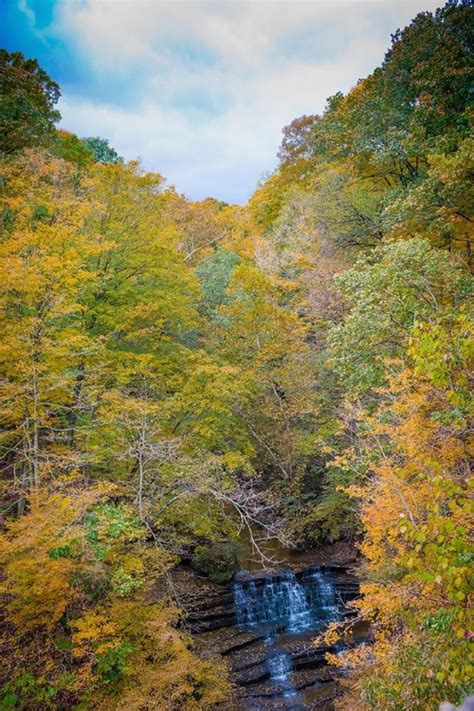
[(417, 514)]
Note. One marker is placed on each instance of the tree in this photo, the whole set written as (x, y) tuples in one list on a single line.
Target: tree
[(174, 373), (440, 207), (71, 148), (297, 143), (348, 211), (76, 577), (415, 510), (388, 292), (101, 150), (43, 271), (214, 273), (427, 72), (27, 113)]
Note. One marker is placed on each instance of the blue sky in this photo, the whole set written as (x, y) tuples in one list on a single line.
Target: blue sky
[(201, 90)]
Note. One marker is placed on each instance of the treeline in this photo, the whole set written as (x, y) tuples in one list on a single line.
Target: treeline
[(176, 376), (155, 398), (370, 212)]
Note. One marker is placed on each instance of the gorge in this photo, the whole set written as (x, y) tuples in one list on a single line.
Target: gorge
[(227, 429)]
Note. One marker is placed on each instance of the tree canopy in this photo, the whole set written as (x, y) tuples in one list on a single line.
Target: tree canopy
[(175, 374), (27, 113)]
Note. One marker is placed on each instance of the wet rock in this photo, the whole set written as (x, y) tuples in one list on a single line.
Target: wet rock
[(271, 658)]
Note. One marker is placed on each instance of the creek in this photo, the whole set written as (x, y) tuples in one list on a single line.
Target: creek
[(279, 607), (263, 624)]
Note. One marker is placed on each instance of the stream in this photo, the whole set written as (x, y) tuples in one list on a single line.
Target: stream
[(284, 611), (263, 625)]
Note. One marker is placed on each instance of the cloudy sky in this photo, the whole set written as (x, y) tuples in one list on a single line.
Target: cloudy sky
[(201, 90)]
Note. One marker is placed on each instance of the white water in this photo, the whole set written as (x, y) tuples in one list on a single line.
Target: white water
[(282, 599), (280, 666), (288, 604)]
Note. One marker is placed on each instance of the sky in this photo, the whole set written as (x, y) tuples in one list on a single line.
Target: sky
[(201, 90)]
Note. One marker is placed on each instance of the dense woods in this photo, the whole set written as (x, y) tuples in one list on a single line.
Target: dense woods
[(178, 376)]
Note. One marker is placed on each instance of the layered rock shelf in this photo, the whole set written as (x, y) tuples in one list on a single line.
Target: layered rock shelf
[(264, 625)]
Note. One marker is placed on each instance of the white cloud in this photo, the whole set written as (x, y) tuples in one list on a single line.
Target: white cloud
[(218, 80), (28, 12)]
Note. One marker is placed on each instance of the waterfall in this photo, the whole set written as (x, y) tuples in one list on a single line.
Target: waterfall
[(280, 666), (244, 597), (285, 601), (327, 595)]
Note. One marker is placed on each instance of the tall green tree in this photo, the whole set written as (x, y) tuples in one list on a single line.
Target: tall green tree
[(28, 98)]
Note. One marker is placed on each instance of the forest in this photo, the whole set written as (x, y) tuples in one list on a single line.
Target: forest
[(179, 376)]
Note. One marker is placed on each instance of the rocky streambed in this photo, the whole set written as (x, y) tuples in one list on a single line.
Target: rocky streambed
[(263, 624)]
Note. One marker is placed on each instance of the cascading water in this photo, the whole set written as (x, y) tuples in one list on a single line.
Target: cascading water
[(284, 604), (285, 601), (327, 595), (280, 666)]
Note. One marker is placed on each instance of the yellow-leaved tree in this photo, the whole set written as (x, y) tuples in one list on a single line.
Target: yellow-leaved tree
[(416, 511)]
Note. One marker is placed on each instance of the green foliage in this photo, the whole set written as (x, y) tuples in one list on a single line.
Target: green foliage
[(426, 57), (110, 524), (170, 370), (389, 291), (111, 663), (391, 119), (25, 692), (385, 142), (72, 149), (114, 522), (101, 151), (27, 113), (68, 551), (219, 561), (440, 622), (333, 515), (348, 211), (440, 206), (124, 583), (214, 274)]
